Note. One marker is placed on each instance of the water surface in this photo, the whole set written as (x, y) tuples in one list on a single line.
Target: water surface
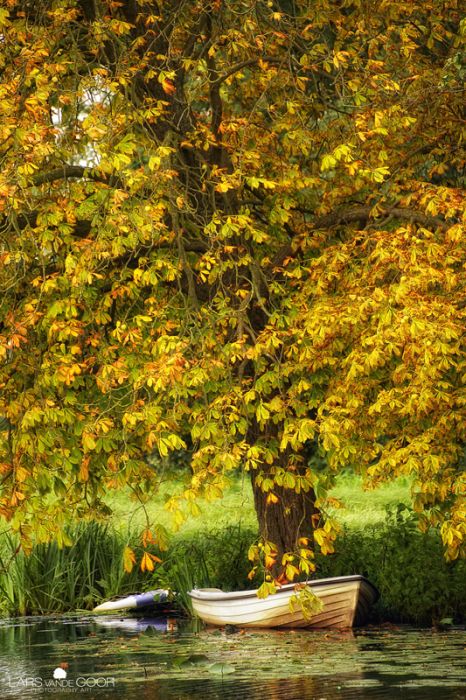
[(160, 659)]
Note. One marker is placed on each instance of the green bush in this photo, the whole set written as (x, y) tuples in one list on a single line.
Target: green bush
[(416, 583)]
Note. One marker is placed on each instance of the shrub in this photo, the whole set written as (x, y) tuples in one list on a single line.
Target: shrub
[(416, 583)]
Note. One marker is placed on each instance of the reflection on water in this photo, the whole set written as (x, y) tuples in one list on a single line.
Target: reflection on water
[(116, 657)]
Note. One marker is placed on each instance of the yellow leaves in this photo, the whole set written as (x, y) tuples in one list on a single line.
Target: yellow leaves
[(129, 559), (68, 373), (325, 536), (148, 560), (330, 441), (253, 552), (112, 463), (84, 469), (167, 442), (27, 168), (21, 474), (328, 162), (93, 129), (158, 535), (63, 14), (103, 426), (266, 589), (340, 58), (262, 412), (301, 83), (286, 479), (255, 182), (119, 161), (225, 185), (343, 152), (16, 497), (291, 571), (306, 602), (88, 442), (454, 536), (63, 540), (119, 27), (162, 154), (168, 87), (213, 492), (166, 78), (379, 174), (4, 15), (432, 207)]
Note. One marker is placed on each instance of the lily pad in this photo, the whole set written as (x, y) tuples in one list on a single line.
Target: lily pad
[(221, 669), (191, 660)]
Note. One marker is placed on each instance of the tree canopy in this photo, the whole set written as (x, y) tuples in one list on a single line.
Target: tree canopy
[(239, 222)]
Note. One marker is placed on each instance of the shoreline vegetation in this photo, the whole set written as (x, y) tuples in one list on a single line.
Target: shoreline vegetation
[(379, 539)]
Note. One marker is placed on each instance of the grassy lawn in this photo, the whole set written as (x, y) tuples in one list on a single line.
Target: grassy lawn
[(235, 507), (368, 507), (361, 507)]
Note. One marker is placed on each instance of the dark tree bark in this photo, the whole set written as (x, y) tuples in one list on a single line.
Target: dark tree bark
[(284, 522)]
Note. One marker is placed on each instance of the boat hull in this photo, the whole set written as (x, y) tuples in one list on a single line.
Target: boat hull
[(137, 600), (346, 603)]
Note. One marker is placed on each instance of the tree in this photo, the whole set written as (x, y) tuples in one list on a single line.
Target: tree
[(240, 220)]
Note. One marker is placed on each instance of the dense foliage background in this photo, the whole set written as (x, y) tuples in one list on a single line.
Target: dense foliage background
[(238, 226)]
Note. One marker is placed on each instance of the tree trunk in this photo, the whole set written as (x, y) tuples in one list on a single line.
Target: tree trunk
[(284, 522)]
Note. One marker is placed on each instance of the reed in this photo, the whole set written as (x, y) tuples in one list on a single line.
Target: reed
[(215, 558), (52, 579)]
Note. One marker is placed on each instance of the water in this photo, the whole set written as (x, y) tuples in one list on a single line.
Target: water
[(114, 657)]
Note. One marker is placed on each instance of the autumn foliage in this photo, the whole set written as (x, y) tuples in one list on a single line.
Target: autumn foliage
[(239, 221)]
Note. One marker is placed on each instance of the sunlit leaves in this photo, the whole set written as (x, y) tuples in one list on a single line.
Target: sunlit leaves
[(242, 229), (129, 559)]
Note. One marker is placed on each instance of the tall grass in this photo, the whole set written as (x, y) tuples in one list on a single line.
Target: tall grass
[(52, 579), (214, 558)]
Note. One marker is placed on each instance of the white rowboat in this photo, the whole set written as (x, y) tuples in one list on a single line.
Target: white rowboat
[(347, 601)]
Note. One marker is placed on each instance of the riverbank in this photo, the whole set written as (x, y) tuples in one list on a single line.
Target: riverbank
[(379, 539)]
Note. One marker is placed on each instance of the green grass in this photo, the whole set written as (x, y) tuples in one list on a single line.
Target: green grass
[(361, 507), (235, 507)]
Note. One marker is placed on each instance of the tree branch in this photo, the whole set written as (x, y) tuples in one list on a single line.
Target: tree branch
[(66, 172), (360, 214), (244, 64), (364, 214)]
